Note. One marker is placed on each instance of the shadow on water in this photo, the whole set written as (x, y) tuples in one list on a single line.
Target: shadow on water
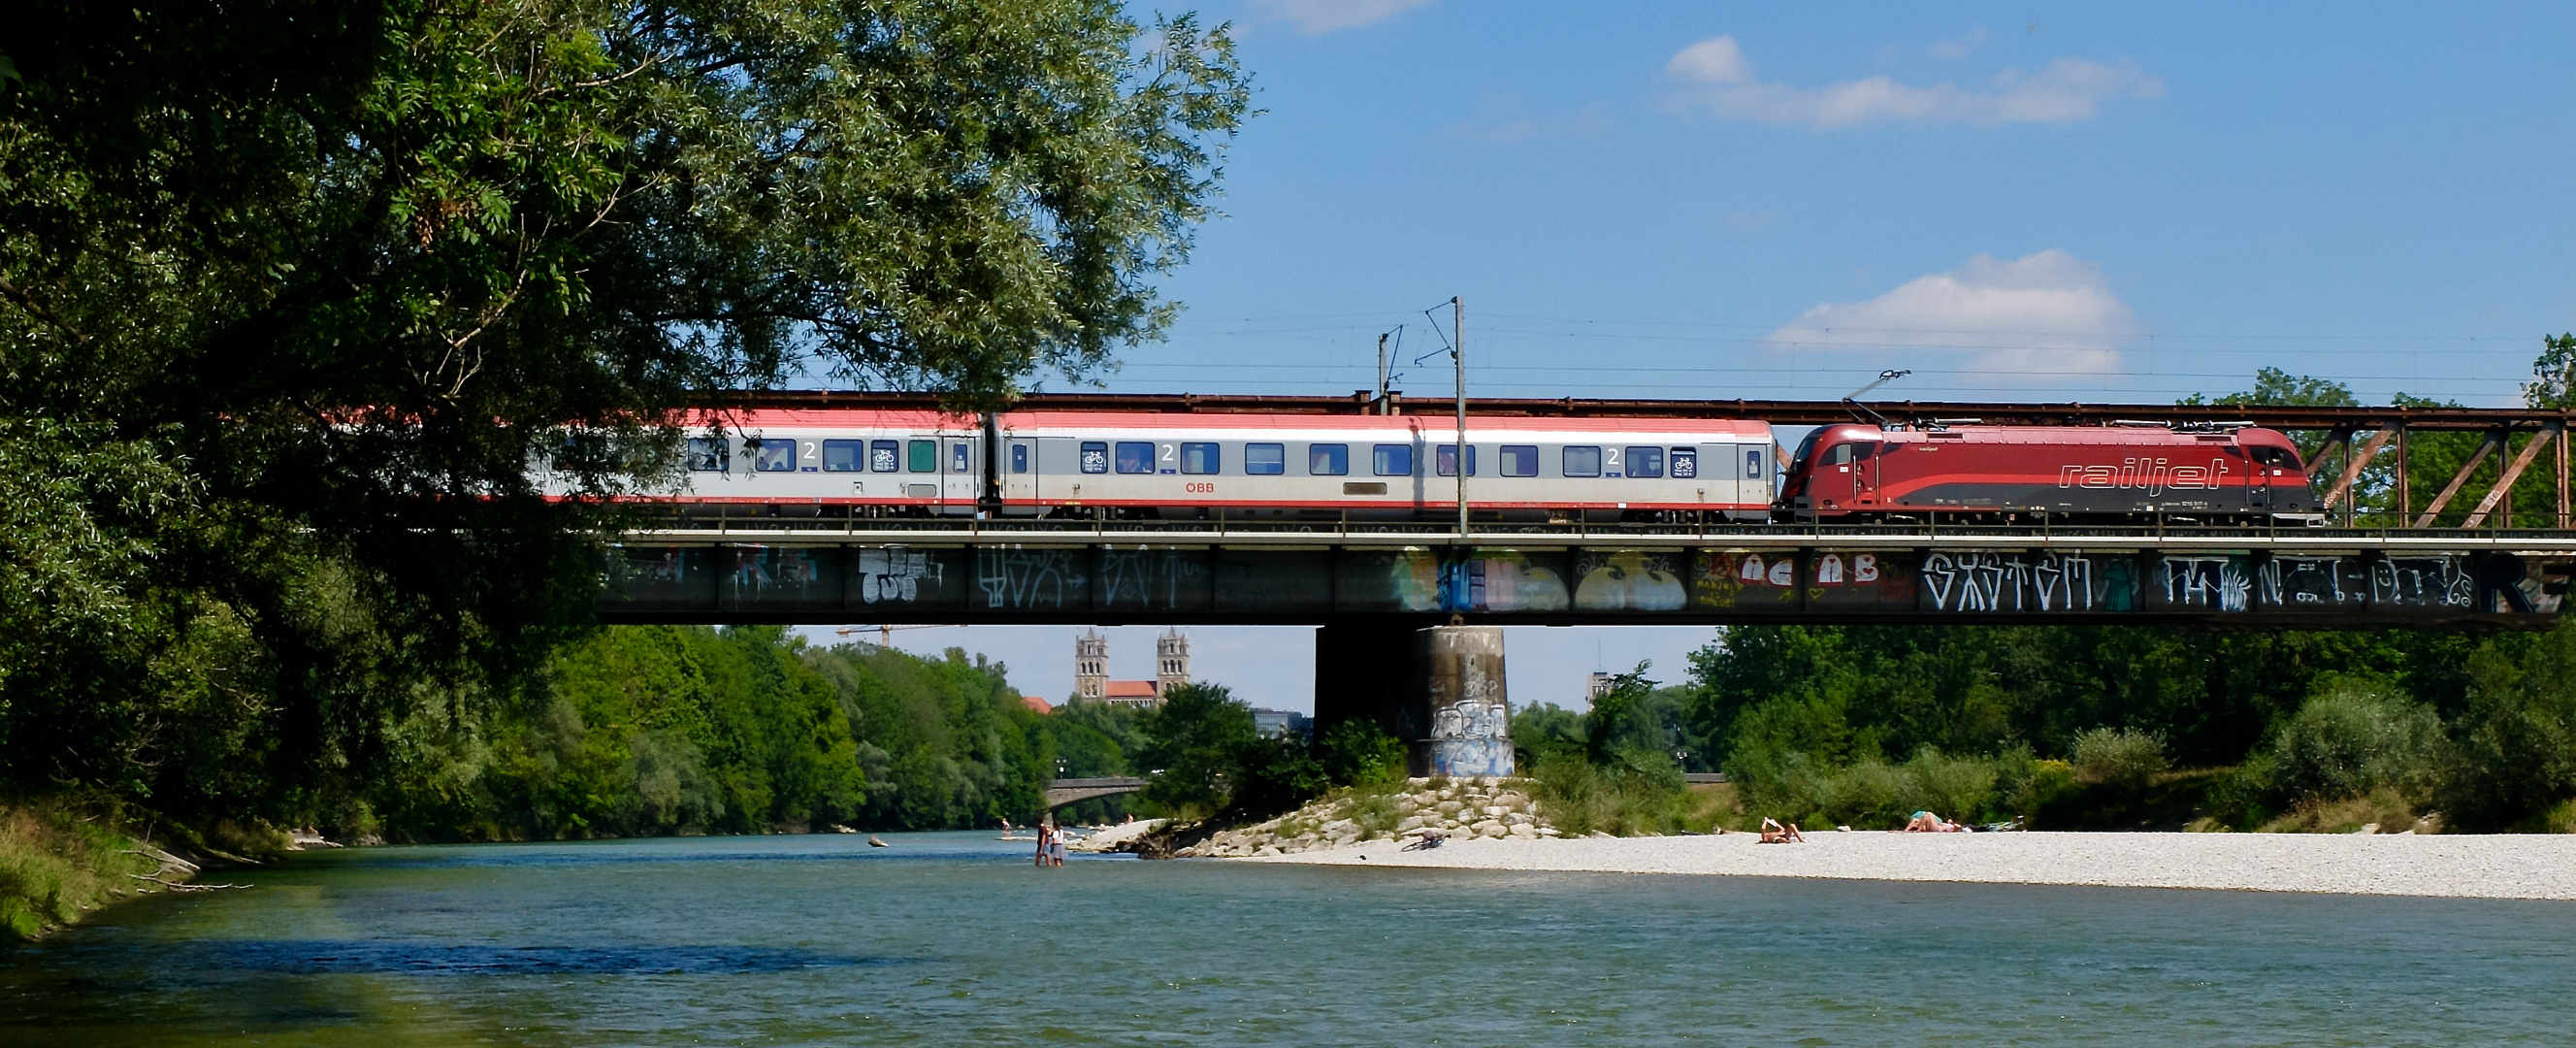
[(415, 957), (836, 848)]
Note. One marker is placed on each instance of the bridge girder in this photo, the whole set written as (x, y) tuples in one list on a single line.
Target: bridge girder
[(1093, 575)]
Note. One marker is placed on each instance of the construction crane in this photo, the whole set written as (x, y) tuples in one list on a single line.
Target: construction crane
[(884, 632)]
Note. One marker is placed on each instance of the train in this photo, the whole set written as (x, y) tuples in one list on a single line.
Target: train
[(866, 462), (2125, 472)]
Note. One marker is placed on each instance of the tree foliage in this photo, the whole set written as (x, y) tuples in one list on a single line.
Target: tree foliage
[(292, 295), (644, 730)]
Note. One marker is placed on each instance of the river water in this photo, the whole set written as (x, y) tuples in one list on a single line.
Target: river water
[(954, 939)]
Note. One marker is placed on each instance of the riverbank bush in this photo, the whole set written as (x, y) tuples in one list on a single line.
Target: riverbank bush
[(1582, 796), (2355, 737), (1613, 768), (2513, 755), (1210, 761), (58, 862), (1820, 720), (2118, 757), (1876, 795)]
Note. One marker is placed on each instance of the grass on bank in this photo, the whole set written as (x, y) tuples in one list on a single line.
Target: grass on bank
[(58, 862)]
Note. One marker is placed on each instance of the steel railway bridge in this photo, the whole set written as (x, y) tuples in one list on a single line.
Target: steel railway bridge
[(1391, 603), (2465, 553)]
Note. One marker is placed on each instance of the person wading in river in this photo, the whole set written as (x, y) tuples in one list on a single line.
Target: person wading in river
[(1046, 836)]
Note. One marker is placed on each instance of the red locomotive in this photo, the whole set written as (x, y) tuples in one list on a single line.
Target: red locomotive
[(2125, 472)]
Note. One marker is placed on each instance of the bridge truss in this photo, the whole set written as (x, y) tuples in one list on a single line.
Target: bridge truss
[(2494, 562)]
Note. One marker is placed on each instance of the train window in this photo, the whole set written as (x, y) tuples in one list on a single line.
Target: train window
[(882, 456), (1645, 462), (1265, 460), (1202, 458), (961, 458), (1582, 460), (921, 456), (1135, 456), (776, 456), (707, 454), (1019, 458), (1445, 459), (1520, 460), (1328, 460), (1095, 456), (1685, 464), (2272, 456), (1391, 460), (1841, 454), (843, 456)]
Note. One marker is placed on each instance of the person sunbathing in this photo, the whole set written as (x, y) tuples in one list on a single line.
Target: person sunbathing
[(1775, 833), (1926, 822)]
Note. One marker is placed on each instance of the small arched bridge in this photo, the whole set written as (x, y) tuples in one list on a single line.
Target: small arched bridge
[(1062, 792)]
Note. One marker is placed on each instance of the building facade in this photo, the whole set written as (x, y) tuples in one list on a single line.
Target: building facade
[(1090, 666), (1171, 661), (1091, 681)]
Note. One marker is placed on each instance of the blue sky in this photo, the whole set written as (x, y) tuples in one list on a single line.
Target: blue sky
[(2028, 201), (2013, 201)]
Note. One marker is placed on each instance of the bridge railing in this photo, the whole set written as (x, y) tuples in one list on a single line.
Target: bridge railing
[(1928, 534)]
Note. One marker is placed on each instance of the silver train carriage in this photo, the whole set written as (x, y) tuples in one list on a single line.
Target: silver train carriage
[(878, 463)]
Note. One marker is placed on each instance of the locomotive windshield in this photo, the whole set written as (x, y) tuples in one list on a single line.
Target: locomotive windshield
[(2274, 456)]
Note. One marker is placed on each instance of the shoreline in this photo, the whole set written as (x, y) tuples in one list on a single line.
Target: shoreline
[(2505, 866)]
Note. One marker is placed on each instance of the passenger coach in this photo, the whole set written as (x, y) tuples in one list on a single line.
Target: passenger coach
[(1213, 466)]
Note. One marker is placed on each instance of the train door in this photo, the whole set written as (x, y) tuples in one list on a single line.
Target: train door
[(1019, 470), (2258, 482), (1057, 469), (1856, 473), (961, 482)]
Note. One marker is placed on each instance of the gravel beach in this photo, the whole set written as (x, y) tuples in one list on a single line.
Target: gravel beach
[(2488, 867)]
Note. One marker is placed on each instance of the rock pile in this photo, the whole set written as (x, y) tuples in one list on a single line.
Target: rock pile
[(1455, 808)]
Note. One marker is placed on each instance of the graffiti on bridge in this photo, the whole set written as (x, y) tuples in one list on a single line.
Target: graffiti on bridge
[(2309, 582), (893, 575), (2219, 582), (2001, 580), (1033, 579), (2423, 582), (1152, 579), (1611, 581)]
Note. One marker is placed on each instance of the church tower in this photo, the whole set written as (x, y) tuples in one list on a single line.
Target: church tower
[(1090, 666), (1171, 661)]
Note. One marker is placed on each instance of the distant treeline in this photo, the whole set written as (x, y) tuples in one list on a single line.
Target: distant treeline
[(2114, 725), (643, 730)]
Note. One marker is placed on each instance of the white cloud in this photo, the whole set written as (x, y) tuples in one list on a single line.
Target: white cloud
[(1324, 16), (2039, 316), (1722, 83), (1954, 50)]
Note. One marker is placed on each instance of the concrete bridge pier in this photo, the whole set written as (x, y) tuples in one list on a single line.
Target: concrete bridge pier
[(1439, 688)]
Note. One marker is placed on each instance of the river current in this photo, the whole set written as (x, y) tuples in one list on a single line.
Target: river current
[(955, 939)]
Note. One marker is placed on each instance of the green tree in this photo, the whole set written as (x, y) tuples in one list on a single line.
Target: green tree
[(2274, 387), (1358, 751), (2553, 383), (2354, 736), (342, 272), (2514, 752), (1195, 743)]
